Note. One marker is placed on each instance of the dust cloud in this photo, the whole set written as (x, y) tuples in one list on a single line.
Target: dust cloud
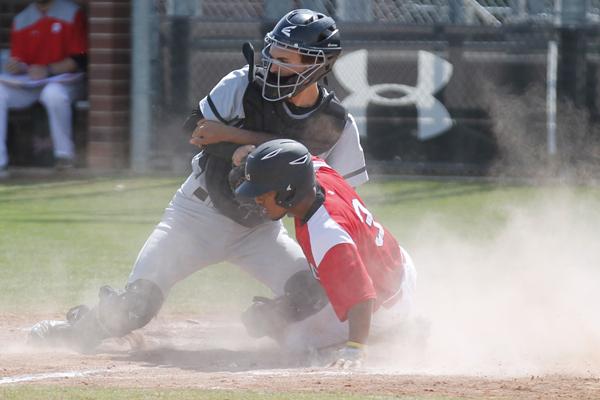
[(520, 130), (523, 302)]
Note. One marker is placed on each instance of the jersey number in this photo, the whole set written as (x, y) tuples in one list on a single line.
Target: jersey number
[(368, 219)]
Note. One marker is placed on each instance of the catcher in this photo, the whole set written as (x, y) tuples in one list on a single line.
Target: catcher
[(204, 224), (359, 264)]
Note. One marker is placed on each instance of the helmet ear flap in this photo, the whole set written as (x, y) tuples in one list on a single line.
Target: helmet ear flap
[(285, 198)]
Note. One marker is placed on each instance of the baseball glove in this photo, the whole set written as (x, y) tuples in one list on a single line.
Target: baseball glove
[(266, 317), (236, 176), (303, 297)]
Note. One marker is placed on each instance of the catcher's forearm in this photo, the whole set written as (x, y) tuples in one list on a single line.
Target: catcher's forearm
[(359, 321), (243, 136)]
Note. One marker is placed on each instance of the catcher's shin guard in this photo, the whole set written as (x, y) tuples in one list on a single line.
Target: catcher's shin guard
[(118, 313), (123, 311)]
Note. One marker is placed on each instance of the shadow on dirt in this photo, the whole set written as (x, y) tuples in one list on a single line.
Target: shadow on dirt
[(210, 360)]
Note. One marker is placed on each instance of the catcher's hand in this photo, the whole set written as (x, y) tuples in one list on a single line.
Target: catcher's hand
[(241, 153), (211, 132), (350, 357)]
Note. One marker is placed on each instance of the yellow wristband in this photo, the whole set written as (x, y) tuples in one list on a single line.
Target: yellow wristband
[(355, 345)]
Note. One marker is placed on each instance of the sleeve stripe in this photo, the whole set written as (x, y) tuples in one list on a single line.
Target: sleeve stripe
[(214, 110), (319, 164), (325, 233), (355, 172), (237, 122)]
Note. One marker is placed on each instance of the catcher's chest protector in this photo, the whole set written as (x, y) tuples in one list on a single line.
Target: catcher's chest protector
[(318, 132)]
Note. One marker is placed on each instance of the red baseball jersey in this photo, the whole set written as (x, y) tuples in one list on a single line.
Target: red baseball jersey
[(353, 255), (44, 39)]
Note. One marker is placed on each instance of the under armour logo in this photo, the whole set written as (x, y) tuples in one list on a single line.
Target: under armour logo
[(288, 30), (434, 74)]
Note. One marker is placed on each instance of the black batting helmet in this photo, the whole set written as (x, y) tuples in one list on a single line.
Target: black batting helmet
[(281, 165), (311, 34)]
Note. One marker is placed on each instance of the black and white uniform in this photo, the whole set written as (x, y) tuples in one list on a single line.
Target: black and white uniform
[(194, 232)]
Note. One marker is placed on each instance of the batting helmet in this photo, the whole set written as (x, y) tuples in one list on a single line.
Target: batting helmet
[(281, 165), (311, 34)]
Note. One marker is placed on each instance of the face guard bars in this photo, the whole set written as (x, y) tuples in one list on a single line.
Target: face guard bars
[(278, 87)]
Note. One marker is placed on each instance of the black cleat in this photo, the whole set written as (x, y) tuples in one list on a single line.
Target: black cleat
[(50, 333), (71, 333)]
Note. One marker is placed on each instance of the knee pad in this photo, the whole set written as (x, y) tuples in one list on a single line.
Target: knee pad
[(122, 311), (305, 295)]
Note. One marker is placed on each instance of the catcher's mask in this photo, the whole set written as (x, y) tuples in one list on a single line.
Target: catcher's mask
[(281, 165), (314, 36)]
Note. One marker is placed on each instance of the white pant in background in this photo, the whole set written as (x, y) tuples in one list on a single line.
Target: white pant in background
[(56, 98)]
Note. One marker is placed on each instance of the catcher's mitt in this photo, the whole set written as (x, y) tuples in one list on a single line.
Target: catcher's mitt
[(236, 176), (266, 317), (303, 297)]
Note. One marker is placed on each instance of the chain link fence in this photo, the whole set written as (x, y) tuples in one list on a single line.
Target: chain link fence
[(436, 86), (470, 12)]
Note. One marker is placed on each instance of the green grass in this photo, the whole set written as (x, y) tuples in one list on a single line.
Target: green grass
[(53, 393), (472, 210), (60, 241)]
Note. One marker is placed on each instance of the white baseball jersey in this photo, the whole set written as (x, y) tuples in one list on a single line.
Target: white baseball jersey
[(346, 156)]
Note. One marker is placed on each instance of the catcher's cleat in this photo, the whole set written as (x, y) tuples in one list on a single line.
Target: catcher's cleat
[(50, 333), (53, 333)]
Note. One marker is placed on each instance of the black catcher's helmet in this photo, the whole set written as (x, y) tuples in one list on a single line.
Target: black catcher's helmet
[(282, 165), (311, 34)]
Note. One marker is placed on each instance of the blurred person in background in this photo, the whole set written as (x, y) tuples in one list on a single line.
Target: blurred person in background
[(47, 57)]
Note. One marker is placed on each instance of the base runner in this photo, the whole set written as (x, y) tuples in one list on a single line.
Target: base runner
[(362, 269)]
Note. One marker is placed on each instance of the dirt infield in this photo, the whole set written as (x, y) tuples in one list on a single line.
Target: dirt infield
[(180, 352)]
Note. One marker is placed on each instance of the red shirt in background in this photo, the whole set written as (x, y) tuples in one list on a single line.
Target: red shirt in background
[(353, 255), (44, 39)]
